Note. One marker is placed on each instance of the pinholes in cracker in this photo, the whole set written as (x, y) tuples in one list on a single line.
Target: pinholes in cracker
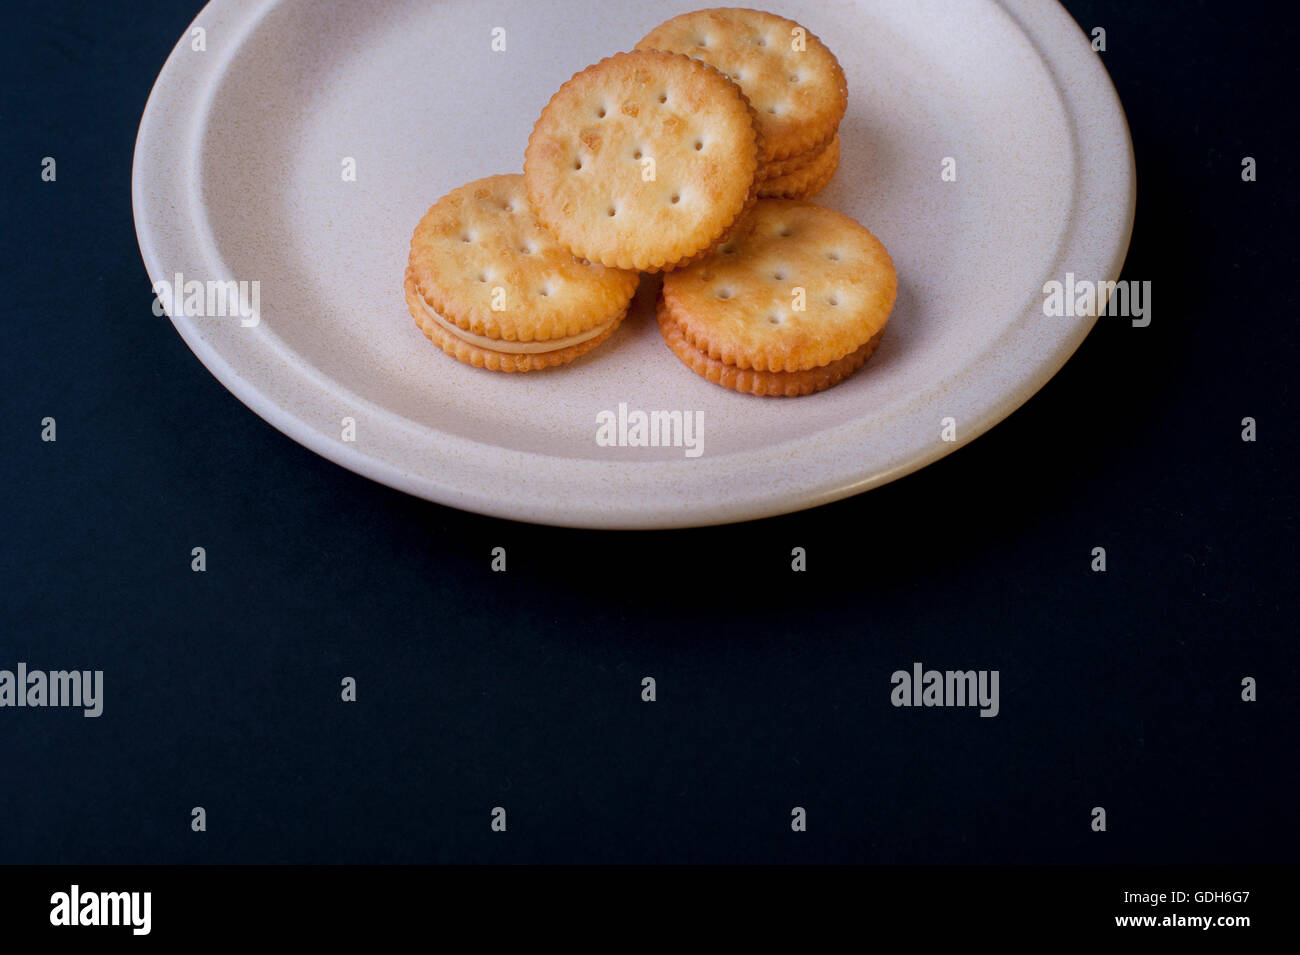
[(794, 82), (642, 160), (493, 288), (804, 287)]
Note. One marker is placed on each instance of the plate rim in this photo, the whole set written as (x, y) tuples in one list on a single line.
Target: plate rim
[(561, 496)]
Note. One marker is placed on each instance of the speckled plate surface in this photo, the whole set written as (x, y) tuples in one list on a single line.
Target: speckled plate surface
[(239, 175)]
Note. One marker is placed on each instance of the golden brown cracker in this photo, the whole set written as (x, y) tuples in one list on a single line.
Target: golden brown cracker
[(793, 80), (642, 160), (482, 261), (488, 358), (803, 287), (771, 384)]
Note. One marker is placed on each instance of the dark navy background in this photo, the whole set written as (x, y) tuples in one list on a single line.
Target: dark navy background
[(521, 690)]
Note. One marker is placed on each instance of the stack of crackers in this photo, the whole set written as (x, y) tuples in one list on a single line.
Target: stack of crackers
[(694, 155)]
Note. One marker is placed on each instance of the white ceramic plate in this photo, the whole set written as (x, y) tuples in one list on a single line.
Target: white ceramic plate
[(239, 176)]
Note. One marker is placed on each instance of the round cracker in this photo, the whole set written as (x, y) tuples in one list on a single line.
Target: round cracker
[(806, 182), (768, 384), (479, 357), (585, 168), (481, 245), (741, 304), (793, 80)]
